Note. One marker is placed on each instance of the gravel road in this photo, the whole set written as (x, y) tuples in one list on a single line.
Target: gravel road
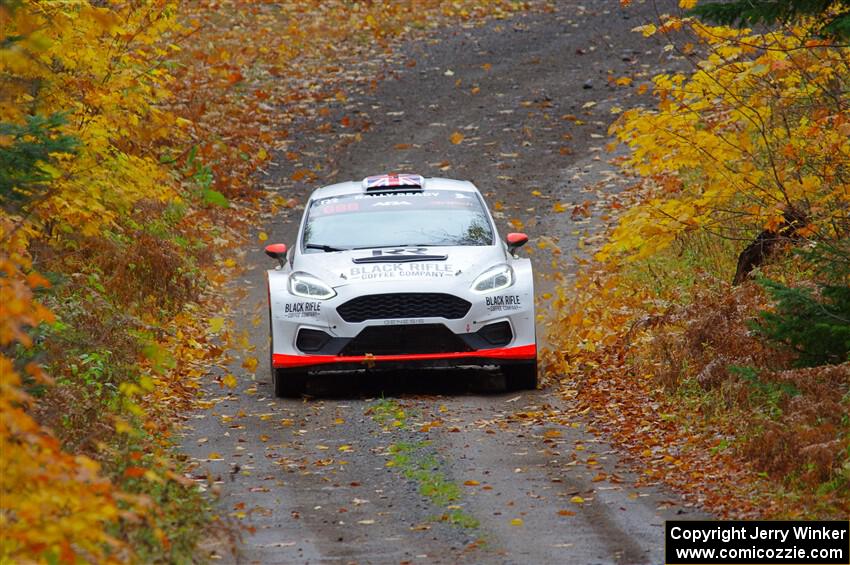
[(425, 467)]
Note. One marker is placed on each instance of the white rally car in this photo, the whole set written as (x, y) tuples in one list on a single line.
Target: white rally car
[(399, 271)]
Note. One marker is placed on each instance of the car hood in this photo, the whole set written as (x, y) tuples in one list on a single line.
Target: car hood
[(442, 266)]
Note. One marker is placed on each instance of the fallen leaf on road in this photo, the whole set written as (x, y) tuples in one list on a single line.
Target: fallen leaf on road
[(216, 325), (456, 138)]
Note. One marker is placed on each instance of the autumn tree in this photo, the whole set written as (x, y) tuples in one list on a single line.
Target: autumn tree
[(756, 134), (833, 16), (28, 158)]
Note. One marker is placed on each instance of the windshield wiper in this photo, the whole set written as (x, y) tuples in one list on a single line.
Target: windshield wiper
[(395, 245), (325, 248)]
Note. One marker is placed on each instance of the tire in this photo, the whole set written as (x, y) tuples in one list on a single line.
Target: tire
[(520, 376), (289, 383)]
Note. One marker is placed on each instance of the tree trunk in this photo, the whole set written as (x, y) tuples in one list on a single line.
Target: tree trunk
[(755, 254)]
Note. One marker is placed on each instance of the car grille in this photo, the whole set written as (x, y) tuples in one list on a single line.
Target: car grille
[(399, 340), (403, 305)]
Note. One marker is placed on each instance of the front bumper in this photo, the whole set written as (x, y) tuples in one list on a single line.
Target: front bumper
[(403, 342), (496, 356)]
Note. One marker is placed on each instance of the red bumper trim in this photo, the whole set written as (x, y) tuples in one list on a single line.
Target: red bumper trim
[(281, 360)]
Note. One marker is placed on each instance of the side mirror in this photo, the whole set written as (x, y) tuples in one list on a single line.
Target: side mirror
[(277, 251), (515, 241)]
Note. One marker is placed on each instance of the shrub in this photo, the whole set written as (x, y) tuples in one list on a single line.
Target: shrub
[(815, 324)]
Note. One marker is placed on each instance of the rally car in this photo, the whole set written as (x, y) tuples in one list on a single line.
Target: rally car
[(400, 271)]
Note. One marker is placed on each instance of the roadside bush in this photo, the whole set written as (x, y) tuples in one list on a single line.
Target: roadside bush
[(814, 324), (807, 442)]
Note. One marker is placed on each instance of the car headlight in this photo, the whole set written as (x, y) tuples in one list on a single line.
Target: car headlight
[(495, 278), (308, 286)]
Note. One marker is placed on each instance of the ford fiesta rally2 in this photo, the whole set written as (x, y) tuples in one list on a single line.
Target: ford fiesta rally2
[(400, 271)]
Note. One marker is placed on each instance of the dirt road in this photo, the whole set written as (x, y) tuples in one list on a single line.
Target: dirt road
[(413, 467)]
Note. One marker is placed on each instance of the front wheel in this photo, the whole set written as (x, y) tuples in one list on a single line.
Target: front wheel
[(289, 383), (521, 376)]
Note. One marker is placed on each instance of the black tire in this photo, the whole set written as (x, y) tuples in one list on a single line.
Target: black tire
[(520, 376), (289, 383)]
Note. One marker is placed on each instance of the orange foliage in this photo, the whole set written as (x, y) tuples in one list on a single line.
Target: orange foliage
[(53, 502)]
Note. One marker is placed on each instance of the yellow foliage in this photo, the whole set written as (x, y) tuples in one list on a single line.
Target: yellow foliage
[(759, 130), (98, 66), (756, 135)]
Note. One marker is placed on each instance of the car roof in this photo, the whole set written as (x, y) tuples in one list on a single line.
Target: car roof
[(356, 187)]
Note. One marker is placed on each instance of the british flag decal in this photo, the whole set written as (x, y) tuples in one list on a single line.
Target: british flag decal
[(393, 181)]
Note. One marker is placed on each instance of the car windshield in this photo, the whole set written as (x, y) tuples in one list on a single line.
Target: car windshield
[(425, 218)]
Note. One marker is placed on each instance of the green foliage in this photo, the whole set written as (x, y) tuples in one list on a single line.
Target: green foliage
[(202, 177), (768, 395), (183, 512), (834, 14), (93, 370), (815, 325), (424, 469), (387, 412), (830, 260), (26, 152)]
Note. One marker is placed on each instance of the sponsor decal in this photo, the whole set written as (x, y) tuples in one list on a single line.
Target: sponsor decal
[(385, 271), (350, 204), (503, 302), (301, 309), (400, 251), (400, 255), (404, 322), (409, 196), (331, 207), (393, 203)]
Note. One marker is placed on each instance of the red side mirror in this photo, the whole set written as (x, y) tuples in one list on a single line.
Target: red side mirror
[(516, 240), (276, 251)]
